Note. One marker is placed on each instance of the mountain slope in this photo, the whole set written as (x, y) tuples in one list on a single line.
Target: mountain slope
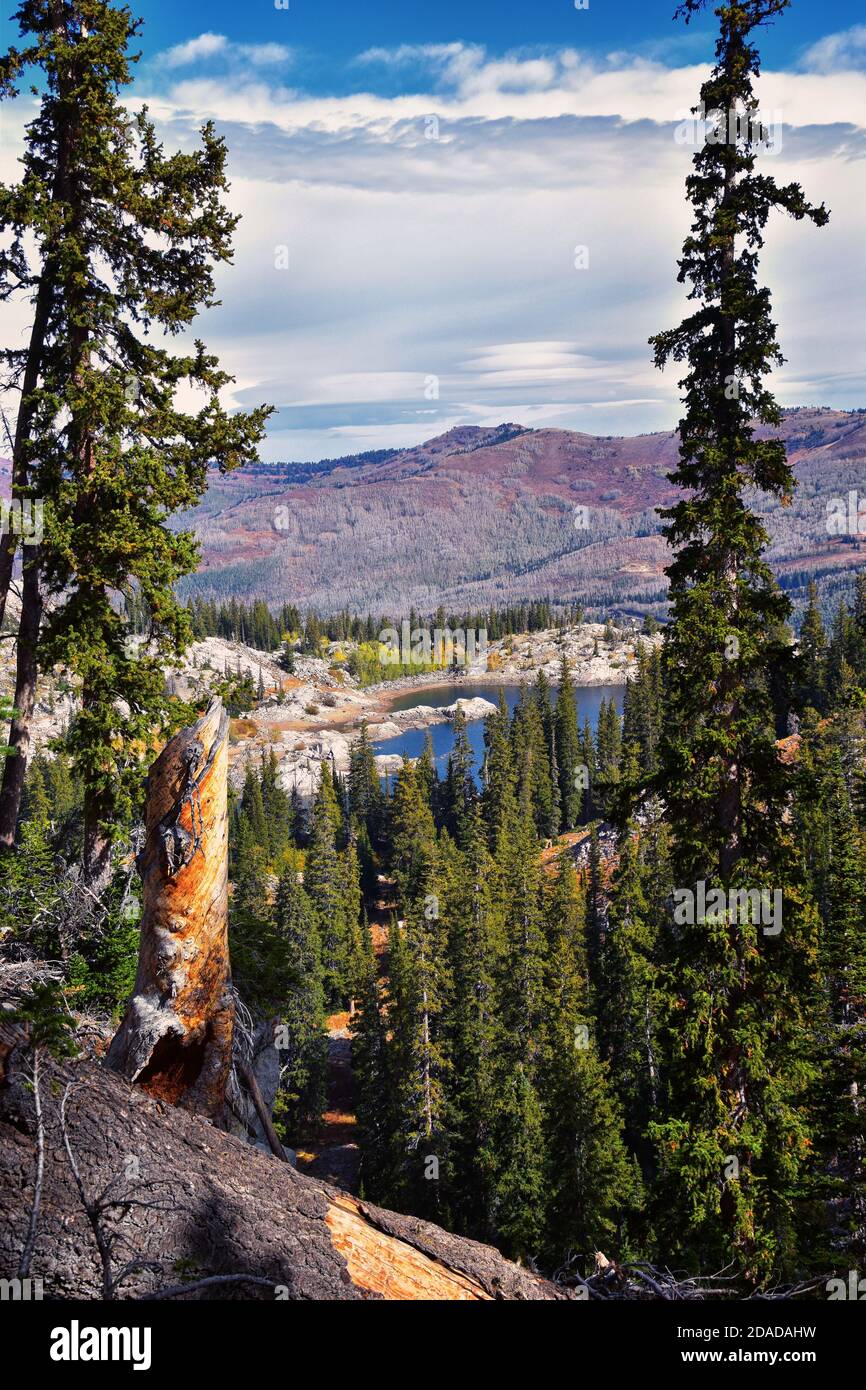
[(487, 516)]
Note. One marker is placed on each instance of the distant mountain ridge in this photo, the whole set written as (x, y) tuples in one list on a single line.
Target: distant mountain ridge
[(487, 516), (482, 516)]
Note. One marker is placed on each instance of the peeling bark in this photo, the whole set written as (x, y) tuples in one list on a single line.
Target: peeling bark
[(176, 1036)]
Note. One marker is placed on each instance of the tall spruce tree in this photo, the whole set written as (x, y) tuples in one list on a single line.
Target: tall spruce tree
[(114, 242), (595, 914), (428, 777), (552, 811), (531, 756), (572, 788), (628, 1023), (413, 838), (472, 941), (277, 807), (733, 1142), (515, 1149), (365, 792), (642, 711), (608, 753), (324, 881), (303, 1042), (590, 801), (419, 1038), (371, 1070), (499, 771), (458, 793), (590, 1181)]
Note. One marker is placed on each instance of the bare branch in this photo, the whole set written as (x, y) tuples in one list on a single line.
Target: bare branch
[(30, 1241)]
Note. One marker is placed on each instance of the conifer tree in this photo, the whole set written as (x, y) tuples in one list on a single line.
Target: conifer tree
[(518, 890), (628, 1005), (428, 777), (371, 1070), (499, 771), (352, 907), (115, 242), (531, 756), (738, 997), (565, 925), (595, 914), (277, 808), (590, 800), (251, 900), (642, 711), (413, 838), (568, 751), (608, 754), (417, 988), (397, 1167), (253, 807), (324, 882), (472, 946), (841, 675), (541, 698), (29, 889), (517, 1154), (423, 1063), (62, 786), (459, 791), (843, 1133), (259, 965), (365, 792), (858, 655), (590, 1182), (515, 1149), (812, 688), (303, 1042), (833, 852)]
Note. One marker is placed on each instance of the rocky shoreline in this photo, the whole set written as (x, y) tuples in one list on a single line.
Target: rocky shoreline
[(318, 710), (594, 661)]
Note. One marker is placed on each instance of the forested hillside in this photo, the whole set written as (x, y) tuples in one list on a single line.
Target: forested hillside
[(517, 1012), (475, 518)]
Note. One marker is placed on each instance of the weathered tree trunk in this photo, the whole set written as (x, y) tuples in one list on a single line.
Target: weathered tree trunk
[(39, 329), (176, 1037), (15, 766)]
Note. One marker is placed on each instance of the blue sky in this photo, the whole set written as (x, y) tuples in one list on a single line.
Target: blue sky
[(470, 213), (331, 33)]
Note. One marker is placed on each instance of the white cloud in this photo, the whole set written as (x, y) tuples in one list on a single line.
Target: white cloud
[(467, 69), (640, 91), (453, 257), (839, 52), (264, 54), (207, 46), (396, 281), (633, 87), (407, 53)]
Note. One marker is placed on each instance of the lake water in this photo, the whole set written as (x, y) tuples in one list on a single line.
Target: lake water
[(410, 743)]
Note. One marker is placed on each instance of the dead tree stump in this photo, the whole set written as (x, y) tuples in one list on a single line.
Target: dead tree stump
[(175, 1040)]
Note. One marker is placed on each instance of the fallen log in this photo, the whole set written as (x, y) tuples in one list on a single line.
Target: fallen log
[(176, 1192), (175, 1040)]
